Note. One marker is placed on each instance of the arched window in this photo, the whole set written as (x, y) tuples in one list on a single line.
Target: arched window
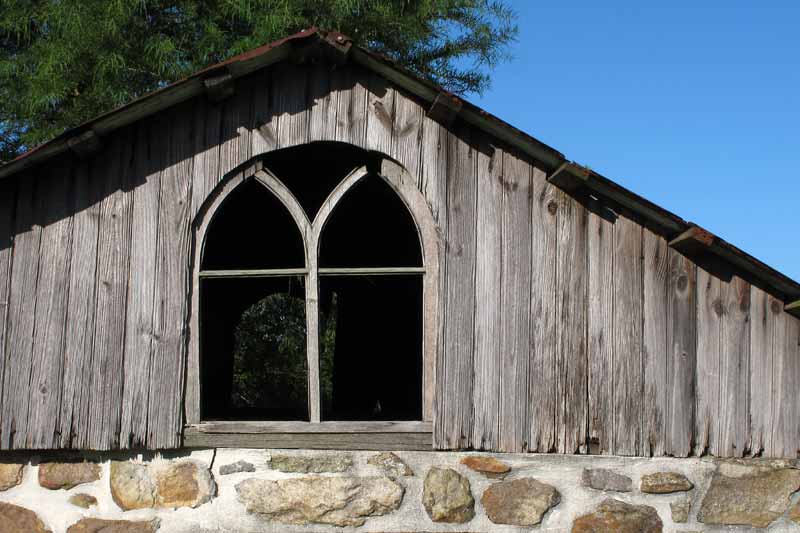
[(315, 295)]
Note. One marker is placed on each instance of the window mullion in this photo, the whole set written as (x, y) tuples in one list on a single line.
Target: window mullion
[(312, 331)]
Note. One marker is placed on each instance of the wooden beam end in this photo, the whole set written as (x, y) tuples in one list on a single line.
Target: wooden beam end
[(445, 108), (85, 144), (218, 88), (793, 307), (692, 239)]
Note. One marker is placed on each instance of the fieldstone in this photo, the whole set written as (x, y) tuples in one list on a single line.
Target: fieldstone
[(488, 466), (82, 500), (391, 465), (522, 502), (447, 496), (665, 483), (131, 486), (680, 510), (95, 525), (183, 484), (602, 479), (748, 495), (794, 514), (311, 464), (235, 468), (15, 519), (10, 475), (614, 516), (334, 500), (56, 476)]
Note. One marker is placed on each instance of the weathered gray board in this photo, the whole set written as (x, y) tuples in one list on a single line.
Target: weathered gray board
[(563, 329)]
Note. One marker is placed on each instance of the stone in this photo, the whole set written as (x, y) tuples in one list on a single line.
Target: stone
[(56, 476), (522, 502), (488, 466), (10, 475), (311, 464), (391, 465), (131, 486), (235, 468), (680, 510), (748, 495), (794, 514), (183, 484), (665, 483), (447, 496), (82, 500), (602, 479), (95, 525), (614, 516), (333, 500), (15, 519)]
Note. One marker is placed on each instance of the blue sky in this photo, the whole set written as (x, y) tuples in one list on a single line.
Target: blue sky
[(695, 108)]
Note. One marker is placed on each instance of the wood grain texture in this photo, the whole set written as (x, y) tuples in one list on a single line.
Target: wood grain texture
[(322, 103), (408, 133), (600, 317), (289, 89), (453, 426), (786, 376), (21, 318), (140, 307), (709, 318), (312, 441), (380, 114), (571, 413), (113, 259), (681, 354), (267, 427), (515, 295), (628, 318), (53, 211), (489, 302), (81, 310), (654, 343), (543, 399), (165, 412), (351, 105), (734, 369), (762, 336), (235, 137), (8, 199)]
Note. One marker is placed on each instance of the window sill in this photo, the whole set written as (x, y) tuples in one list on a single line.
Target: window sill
[(324, 435)]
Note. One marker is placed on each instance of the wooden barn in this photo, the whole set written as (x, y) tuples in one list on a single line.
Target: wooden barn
[(307, 246)]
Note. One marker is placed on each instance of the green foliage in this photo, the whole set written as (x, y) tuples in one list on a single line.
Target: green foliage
[(63, 62)]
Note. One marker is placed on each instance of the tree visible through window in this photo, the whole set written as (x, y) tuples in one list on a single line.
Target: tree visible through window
[(286, 274)]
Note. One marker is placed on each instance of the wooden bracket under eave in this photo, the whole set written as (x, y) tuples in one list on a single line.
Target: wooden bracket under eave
[(793, 308), (692, 240), (85, 144), (220, 87), (445, 108)]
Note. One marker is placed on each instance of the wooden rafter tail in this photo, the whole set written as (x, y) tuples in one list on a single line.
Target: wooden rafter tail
[(219, 88), (85, 144), (693, 239), (445, 108), (793, 308)]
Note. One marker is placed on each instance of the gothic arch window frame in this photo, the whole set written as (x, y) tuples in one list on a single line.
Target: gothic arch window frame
[(205, 433)]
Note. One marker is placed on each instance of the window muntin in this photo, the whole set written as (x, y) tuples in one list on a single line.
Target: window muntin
[(321, 380)]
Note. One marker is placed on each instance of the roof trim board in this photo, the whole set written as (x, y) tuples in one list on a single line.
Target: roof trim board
[(575, 179)]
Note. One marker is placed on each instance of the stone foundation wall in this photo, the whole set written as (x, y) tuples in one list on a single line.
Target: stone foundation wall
[(310, 491)]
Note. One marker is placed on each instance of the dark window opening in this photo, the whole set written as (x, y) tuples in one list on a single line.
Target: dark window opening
[(252, 230), (311, 172), (370, 227), (253, 355), (371, 347)]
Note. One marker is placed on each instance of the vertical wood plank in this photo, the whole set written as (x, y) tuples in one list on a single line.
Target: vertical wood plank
[(8, 199), (54, 213), (453, 425), (734, 369), (21, 313), (600, 315), (515, 336), (208, 123), (656, 269), (165, 414), (264, 136), (289, 104), (349, 84), (408, 130), (322, 104), (628, 337), (542, 395), (786, 376), (709, 317), (681, 354), (571, 355), (77, 383), (141, 290), (236, 130), (763, 310), (113, 259), (489, 306), (380, 114)]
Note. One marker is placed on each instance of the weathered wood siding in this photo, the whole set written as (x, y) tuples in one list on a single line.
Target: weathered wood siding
[(564, 327)]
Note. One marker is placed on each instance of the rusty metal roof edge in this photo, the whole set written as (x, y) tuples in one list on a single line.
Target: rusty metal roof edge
[(665, 222)]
